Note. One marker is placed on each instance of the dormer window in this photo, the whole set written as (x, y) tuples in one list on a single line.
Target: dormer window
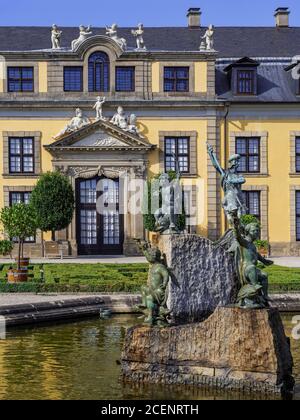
[(294, 78), (245, 82), (243, 76)]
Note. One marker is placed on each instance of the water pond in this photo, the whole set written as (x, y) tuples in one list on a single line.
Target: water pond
[(79, 361)]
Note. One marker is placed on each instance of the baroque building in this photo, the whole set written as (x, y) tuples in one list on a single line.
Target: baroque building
[(177, 88)]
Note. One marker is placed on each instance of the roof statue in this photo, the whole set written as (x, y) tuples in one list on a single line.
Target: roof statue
[(56, 37), (84, 33), (138, 34), (208, 37), (112, 32)]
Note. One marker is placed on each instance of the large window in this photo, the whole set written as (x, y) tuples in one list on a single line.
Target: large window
[(297, 151), (17, 198), (20, 79), (179, 148), (73, 79), (125, 79), (245, 82), (98, 72), (252, 200), (298, 215), (176, 79), (21, 155), (249, 150)]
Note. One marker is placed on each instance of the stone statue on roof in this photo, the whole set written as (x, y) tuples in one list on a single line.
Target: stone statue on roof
[(112, 32), (138, 34), (208, 39), (84, 33), (56, 37)]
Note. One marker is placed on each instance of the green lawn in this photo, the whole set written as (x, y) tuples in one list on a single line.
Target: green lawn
[(115, 278), (283, 278)]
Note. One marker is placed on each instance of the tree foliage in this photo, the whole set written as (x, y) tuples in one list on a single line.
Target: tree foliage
[(53, 201), (19, 221)]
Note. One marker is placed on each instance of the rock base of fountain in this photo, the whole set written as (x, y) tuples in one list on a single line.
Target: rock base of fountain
[(203, 277), (236, 349)]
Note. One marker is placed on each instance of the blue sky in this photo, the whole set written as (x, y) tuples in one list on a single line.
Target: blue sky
[(150, 12)]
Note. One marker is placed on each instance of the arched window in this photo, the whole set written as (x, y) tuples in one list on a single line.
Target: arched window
[(98, 72)]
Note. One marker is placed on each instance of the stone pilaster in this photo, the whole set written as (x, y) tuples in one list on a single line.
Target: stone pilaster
[(213, 184)]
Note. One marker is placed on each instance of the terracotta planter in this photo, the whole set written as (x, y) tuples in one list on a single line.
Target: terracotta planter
[(17, 276), (24, 262), (11, 276)]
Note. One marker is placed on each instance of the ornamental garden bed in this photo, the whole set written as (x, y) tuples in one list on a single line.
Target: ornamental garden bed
[(78, 278), (109, 278)]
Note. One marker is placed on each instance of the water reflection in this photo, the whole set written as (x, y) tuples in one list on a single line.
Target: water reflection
[(78, 361)]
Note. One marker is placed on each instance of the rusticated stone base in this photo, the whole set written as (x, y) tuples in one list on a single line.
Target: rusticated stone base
[(246, 350)]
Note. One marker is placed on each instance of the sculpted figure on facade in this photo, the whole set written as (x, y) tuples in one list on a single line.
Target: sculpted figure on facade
[(129, 124), (56, 37), (98, 107), (112, 32), (231, 181), (120, 119), (208, 38), (75, 124), (84, 33), (138, 34), (132, 126)]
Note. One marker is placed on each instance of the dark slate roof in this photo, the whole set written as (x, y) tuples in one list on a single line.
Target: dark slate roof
[(274, 84), (229, 41)]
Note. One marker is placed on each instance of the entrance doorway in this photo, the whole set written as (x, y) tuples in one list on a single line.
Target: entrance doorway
[(100, 226)]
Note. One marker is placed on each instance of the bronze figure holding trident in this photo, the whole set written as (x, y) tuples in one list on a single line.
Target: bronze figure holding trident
[(231, 181)]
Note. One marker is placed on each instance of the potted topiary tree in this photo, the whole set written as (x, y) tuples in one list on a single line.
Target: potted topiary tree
[(19, 222), (53, 201)]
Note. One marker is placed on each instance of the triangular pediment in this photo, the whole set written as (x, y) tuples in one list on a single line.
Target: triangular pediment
[(100, 135)]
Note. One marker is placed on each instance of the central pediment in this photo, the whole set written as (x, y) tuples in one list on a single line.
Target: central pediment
[(100, 139), (100, 135)]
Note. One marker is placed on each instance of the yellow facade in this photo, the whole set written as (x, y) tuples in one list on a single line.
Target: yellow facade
[(196, 112), (279, 178)]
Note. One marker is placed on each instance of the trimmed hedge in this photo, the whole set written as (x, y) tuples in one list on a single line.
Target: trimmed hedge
[(76, 278), (31, 287)]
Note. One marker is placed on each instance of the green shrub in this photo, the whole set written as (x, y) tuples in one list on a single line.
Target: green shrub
[(246, 219)]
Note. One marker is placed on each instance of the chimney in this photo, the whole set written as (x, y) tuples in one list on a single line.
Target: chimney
[(194, 16), (282, 17)]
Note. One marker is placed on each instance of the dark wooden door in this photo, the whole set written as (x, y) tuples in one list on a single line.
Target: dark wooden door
[(100, 226)]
